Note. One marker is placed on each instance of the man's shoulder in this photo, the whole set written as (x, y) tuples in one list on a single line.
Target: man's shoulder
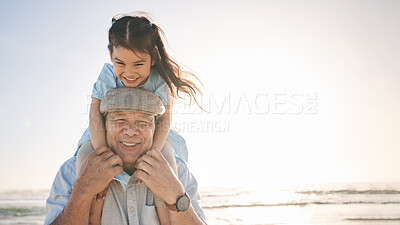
[(190, 184), (67, 170), (184, 175), (61, 190), (69, 164), (180, 163)]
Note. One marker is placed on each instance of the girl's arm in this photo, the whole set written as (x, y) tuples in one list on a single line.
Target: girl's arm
[(160, 137), (98, 138), (162, 129), (95, 212), (96, 125)]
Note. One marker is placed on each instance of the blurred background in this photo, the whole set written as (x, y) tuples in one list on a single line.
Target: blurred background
[(301, 98)]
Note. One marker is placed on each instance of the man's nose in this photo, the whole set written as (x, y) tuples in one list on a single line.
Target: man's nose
[(131, 129)]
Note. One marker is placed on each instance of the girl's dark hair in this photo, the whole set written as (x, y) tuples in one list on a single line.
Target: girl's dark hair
[(139, 34)]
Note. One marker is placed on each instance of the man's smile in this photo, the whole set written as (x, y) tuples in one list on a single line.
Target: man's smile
[(129, 144)]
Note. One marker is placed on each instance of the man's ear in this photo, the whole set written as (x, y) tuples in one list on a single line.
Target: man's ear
[(155, 123), (105, 121)]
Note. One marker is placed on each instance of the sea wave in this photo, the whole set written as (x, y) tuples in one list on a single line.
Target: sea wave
[(373, 219), (294, 204), (351, 192), (21, 212), (209, 195)]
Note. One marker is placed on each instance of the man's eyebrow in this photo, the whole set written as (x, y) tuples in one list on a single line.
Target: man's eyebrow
[(115, 114), (147, 117)]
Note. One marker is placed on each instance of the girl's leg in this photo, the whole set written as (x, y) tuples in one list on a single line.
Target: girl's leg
[(83, 152), (162, 210), (168, 153)]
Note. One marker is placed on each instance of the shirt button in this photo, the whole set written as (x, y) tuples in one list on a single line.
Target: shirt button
[(132, 209)]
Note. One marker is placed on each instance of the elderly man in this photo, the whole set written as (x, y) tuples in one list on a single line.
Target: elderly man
[(130, 115)]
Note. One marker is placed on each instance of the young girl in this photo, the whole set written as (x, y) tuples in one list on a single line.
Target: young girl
[(139, 60)]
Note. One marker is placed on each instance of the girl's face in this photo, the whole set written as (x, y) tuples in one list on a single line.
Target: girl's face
[(132, 68)]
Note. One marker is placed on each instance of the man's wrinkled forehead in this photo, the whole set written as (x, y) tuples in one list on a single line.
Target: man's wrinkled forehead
[(130, 114)]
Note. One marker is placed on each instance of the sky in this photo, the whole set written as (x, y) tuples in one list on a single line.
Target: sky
[(295, 92)]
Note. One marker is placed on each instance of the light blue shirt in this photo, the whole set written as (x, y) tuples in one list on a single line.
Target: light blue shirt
[(65, 179), (107, 81)]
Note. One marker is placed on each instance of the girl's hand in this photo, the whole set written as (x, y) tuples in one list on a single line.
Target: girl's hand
[(139, 181)]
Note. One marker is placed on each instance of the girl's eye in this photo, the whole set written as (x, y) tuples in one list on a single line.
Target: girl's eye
[(139, 64), (120, 63)]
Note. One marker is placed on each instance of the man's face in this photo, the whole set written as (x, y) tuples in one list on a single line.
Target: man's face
[(129, 134)]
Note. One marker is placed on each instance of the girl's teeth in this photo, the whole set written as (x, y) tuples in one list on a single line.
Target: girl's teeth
[(131, 79)]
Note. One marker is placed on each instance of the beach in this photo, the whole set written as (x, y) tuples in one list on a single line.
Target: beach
[(339, 204)]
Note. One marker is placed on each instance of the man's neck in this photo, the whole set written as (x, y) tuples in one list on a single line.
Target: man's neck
[(129, 168)]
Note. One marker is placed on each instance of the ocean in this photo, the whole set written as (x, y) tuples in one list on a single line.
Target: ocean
[(338, 204)]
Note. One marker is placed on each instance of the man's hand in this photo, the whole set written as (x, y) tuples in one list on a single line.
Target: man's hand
[(98, 170), (154, 170), (139, 181)]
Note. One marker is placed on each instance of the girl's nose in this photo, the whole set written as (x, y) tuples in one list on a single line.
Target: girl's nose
[(129, 70)]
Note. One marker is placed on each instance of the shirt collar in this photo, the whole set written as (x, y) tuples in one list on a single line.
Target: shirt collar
[(123, 179)]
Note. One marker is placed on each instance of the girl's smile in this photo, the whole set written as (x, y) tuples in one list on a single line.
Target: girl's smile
[(130, 82)]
